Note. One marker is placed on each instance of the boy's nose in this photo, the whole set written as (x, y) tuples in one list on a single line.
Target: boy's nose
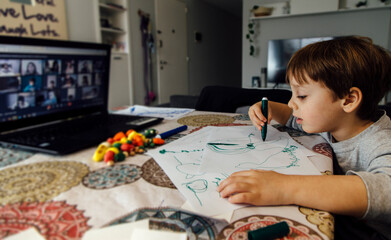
[(292, 105)]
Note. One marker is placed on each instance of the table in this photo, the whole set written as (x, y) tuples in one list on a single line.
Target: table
[(65, 196)]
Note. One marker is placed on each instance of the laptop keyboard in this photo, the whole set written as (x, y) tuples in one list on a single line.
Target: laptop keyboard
[(95, 127), (44, 134)]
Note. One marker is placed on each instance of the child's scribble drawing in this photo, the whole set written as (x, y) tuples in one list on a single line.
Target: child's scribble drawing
[(188, 169), (231, 146), (163, 151), (218, 180), (289, 150), (198, 162), (235, 146), (240, 145), (197, 186), (241, 148)]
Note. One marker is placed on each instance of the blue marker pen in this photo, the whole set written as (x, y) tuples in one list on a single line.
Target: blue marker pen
[(172, 132), (264, 110)]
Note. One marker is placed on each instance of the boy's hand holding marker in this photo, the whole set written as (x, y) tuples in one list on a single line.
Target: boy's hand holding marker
[(257, 117), (278, 111)]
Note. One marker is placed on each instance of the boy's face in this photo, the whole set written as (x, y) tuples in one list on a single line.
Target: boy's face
[(315, 107)]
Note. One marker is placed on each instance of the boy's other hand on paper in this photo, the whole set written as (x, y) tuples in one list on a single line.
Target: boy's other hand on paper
[(256, 187)]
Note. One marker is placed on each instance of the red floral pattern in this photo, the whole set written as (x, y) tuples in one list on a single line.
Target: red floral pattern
[(54, 220), (324, 149)]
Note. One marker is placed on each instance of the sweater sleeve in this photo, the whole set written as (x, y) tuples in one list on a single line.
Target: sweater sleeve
[(377, 180)]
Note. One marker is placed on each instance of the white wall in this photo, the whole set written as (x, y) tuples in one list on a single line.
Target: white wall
[(373, 23), (83, 20)]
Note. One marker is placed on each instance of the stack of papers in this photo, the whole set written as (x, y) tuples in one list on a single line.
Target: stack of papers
[(198, 162), (166, 113)]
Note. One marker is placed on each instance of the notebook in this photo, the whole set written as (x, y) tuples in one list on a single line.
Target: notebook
[(54, 96)]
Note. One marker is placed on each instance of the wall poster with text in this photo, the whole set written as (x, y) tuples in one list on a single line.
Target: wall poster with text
[(33, 18)]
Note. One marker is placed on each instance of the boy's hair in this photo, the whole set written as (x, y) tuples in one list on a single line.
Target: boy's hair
[(343, 63)]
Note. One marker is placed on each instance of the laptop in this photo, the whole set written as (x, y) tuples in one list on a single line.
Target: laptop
[(54, 96)]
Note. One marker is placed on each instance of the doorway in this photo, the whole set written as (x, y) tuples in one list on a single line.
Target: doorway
[(171, 49)]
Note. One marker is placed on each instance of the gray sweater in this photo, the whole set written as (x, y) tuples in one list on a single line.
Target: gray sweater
[(368, 155)]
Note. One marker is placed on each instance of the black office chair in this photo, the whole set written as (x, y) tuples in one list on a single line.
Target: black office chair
[(183, 101), (229, 99)]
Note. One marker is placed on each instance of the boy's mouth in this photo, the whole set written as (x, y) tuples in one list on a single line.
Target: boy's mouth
[(299, 120)]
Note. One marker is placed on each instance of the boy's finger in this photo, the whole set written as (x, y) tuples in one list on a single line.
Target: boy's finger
[(259, 115), (245, 173), (235, 188), (244, 197), (235, 177), (256, 121)]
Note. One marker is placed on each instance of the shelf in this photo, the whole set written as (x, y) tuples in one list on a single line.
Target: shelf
[(118, 52), (109, 8), (112, 30), (114, 24), (317, 13)]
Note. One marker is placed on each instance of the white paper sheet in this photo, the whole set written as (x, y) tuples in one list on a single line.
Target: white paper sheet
[(197, 176), (147, 234), (232, 149), (180, 160), (167, 113), (122, 231), (225, 216)]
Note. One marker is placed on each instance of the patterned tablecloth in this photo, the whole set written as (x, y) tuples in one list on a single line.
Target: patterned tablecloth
[(63, 197)]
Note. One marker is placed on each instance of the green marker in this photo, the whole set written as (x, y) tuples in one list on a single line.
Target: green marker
[(278, 230), (264, 110)]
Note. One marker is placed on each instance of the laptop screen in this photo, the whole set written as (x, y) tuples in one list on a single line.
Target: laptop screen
[(50, 79)]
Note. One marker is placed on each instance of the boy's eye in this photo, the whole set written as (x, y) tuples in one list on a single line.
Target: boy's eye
[(301, 97)]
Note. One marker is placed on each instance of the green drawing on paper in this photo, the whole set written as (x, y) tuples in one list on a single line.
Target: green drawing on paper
[(164, 151), (232, 148), (290, 150), (240, 145), (199, 163), (189, 169), (218, 180), (197, 186), (236, 146)]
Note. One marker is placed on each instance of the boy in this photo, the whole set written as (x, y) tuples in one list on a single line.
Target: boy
[(336, 87)]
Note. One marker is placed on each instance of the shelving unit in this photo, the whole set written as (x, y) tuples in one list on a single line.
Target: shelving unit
[(114, 30), (318, 13), (113, 20), (84, 20)]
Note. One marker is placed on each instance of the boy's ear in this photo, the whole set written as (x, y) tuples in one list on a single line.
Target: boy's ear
[(352, 100)]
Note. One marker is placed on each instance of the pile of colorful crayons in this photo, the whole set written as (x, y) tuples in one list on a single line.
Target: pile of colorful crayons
[(122, 145)]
